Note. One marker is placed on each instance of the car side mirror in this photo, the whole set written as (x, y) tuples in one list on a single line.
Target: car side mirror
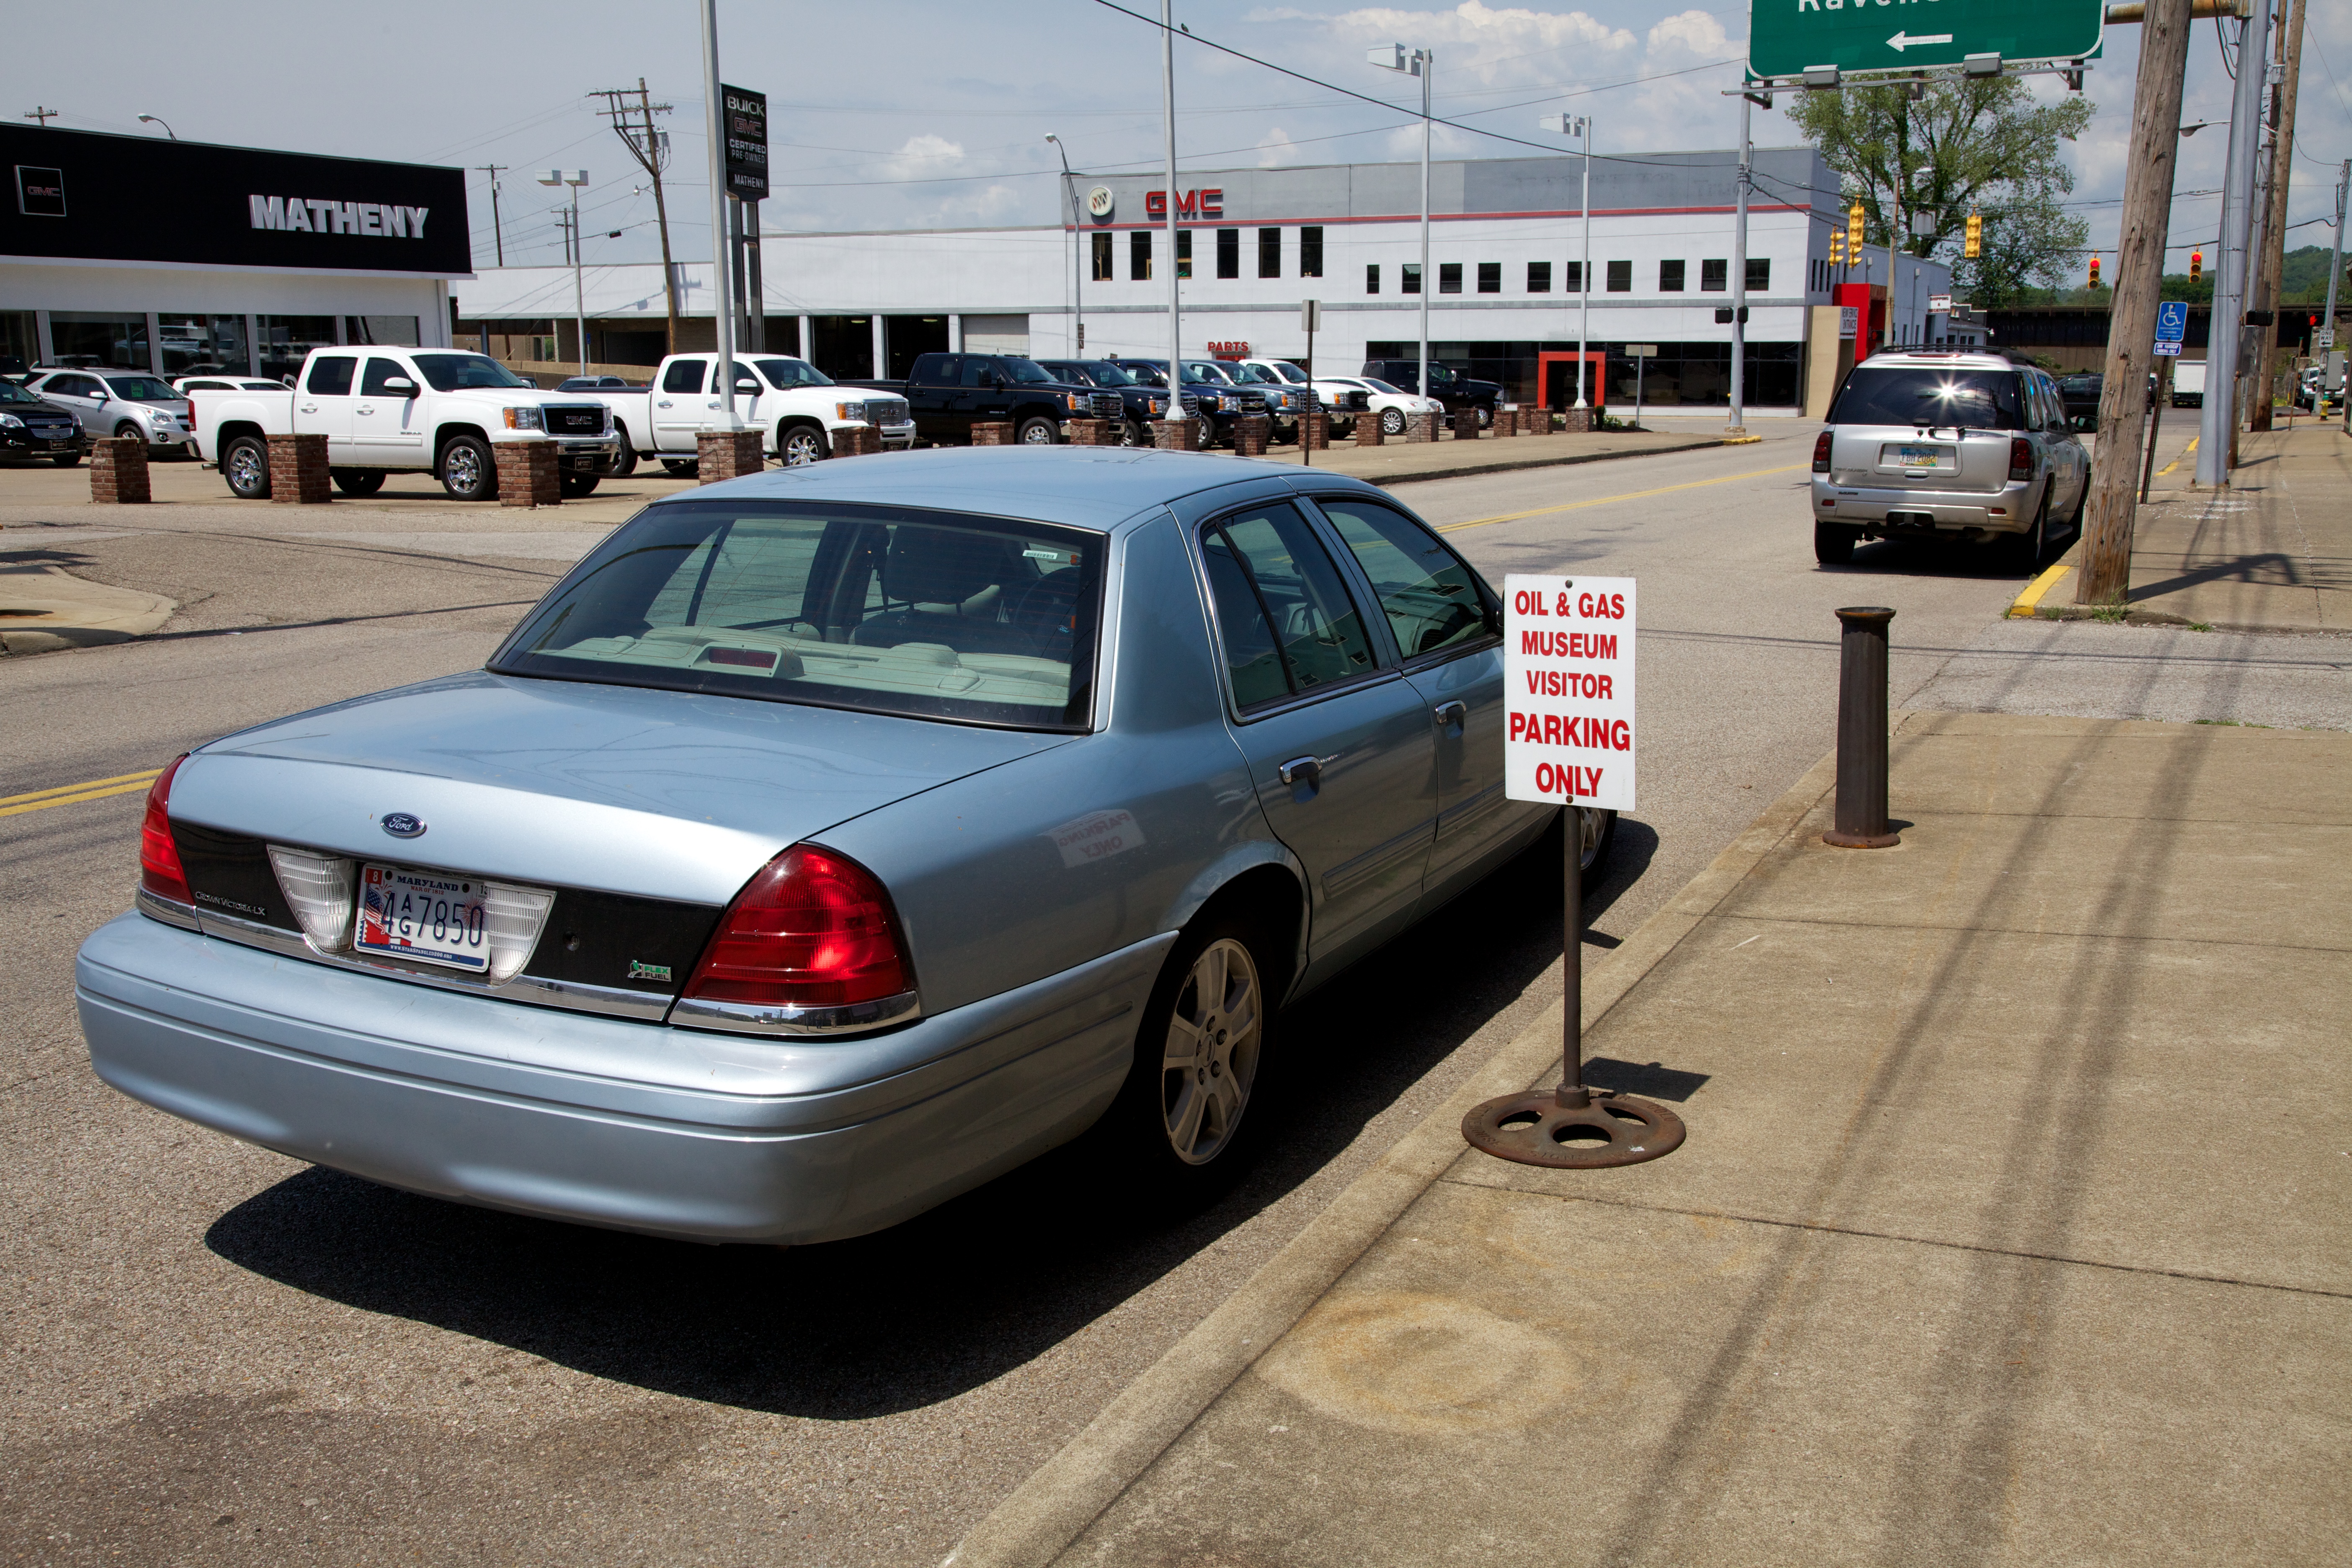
[(400, 384), (995, 381), (747, 386)]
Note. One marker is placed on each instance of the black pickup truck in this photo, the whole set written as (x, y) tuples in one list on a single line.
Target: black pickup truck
[(1456, 392), (949, 394)]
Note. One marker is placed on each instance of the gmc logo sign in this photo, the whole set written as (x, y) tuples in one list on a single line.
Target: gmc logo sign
[(1210, 203)]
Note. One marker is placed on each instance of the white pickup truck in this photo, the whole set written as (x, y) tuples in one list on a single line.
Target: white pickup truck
[(794, 407), (387, 410)]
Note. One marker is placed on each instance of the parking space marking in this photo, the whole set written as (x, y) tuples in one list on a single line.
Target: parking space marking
[(2180, 460), (69, 794), (1630, 495)]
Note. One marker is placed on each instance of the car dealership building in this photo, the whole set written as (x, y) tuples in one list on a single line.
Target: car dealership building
[(171, 256), (1507, 252)]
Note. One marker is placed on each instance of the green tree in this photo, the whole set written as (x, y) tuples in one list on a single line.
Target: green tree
[(1986, 144)]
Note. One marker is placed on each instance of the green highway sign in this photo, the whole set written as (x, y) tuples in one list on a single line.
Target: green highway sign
[(1786, 37)]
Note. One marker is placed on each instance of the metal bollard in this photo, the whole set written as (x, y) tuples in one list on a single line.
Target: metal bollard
[(1861, 731)]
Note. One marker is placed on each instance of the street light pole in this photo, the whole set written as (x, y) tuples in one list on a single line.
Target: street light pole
[(158, 120), (1739, 425), (2335, 270), (722, 319), (1422, 64), (2217, 419), (1579, 125), (1168, 108), (1078, 245), (575, 178)]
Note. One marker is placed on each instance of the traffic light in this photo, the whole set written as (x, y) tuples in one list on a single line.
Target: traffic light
[(2095, 272), (2195, 265), (1853, 228), (1837, 247), (1975, 246)]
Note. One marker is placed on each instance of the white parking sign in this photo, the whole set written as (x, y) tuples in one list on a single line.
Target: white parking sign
[(1568, 659)]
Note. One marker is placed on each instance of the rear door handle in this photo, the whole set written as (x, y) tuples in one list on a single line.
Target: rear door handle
[(1450, 715), (1307, 771)]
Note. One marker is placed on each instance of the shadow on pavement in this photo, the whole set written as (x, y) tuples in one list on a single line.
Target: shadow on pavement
[(957, 1297)]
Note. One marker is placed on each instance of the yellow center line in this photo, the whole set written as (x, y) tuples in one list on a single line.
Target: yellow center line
[(2177, 461), (1630, 495), (67, 795)]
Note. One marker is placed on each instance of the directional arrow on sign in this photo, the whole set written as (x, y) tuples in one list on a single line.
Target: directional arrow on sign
[(1788, 38), (1902, 41)]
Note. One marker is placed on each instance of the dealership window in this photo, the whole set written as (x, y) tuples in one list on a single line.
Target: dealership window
[(1411, 284), (1490, 278), (1229, 253), (1713, 277), (1575, 283), (1139, 256), (1760, 272), (1449, 278), (101, 339), (1184, 252), (1670, 277), (1372, 278), (398, 331), (1310, 251), (1270, 253), (282, 342), (1621, 278), (1539, 277), (1101, 243), (20, 336), (194, 345)]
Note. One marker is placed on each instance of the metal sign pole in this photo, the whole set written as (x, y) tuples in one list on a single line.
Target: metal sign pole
[(2155, 423)]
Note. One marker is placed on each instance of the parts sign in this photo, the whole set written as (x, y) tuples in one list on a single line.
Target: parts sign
[(1568, 665)]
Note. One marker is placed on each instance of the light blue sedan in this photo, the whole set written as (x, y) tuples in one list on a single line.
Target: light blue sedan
[(829, 841)]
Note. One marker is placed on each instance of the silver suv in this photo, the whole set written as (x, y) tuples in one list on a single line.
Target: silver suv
[(1924, 444), (121, 402)]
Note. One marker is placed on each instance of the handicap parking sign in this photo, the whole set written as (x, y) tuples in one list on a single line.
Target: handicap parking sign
[(2171, 320)]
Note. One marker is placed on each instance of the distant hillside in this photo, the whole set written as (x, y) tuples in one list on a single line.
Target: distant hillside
[(2302, 280)]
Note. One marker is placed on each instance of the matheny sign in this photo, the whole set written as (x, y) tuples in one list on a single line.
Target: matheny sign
[(1786, 37)]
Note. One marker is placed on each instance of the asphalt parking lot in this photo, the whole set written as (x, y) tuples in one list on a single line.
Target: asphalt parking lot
[(221, 1355)]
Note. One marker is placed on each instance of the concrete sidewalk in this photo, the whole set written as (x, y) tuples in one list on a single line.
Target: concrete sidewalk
[(2010, 1228)]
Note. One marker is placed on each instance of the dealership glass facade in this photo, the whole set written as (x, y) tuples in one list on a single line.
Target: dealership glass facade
[(98, 340), (1690, 372)]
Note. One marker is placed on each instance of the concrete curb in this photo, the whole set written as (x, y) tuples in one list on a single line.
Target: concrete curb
[(1055, 1505), (51, 609), (1472, 470)]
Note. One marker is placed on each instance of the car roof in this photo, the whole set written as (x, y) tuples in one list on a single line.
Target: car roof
[(1960, 359), (1103, 488)]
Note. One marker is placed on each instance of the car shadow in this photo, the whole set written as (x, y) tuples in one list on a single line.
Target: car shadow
[(949, 1301)]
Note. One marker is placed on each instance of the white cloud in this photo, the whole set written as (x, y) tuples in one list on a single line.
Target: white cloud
[(923, 157), (1696, 32), (1275, 147), (1482, 40)]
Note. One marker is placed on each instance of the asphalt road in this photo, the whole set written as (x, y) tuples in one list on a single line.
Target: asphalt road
[(219, 1355)]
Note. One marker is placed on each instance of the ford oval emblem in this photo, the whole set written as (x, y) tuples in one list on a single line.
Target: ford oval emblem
[(400, 825)]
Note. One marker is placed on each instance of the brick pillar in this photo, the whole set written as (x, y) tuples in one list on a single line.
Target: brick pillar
[(1420, 426), (1507, 421), (1176, 435), (1089, 432), (526, 473), (1368, 428), (298, 471), (1466, 424), (992, 433), (727, 454), (857, 441), (1314, 430), (1250, 433), (118, 470), (1577, 420)]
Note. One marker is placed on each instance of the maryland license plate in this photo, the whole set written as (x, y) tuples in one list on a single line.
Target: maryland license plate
[(1942, 460), (423, 915)]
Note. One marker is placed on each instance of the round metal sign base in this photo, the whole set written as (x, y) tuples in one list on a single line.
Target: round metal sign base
[(1861, 840), (1535, 1128)]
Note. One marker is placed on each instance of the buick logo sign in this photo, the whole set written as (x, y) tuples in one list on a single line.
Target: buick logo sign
[(400, 825), (1099, 202)]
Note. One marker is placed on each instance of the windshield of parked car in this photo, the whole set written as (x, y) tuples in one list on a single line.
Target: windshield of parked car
[(1026, 372), (1201, 373), (1382, 386), (464, 372), (143, 389), (1148, 375), (1109, 376), (1925, 395), (12, 392), (1256, 373), (787, 373), (883, 610)]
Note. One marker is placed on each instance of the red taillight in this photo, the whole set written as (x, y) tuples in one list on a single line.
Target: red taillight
[(1821, 453), (811, 929), (2020, 458), (160, 872)]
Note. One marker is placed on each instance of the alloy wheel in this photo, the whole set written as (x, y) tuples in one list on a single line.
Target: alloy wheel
[(801, 448), (1214, 1034), (1590, 825), (246, 472), (463, 467)]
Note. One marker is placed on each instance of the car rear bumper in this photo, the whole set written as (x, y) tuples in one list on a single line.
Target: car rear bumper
[(1916, 510), (605, 1122)]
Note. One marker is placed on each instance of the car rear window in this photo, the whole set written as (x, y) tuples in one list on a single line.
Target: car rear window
[(1925, 395), (884, 610)]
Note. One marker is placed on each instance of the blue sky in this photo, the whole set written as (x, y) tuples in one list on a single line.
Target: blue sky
[(934, 113)]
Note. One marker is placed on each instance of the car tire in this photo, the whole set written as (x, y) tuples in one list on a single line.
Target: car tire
[(1597, 832), (1206, 436), (622, 467), (357, 481), (468, 469), (572, 487), (2031, 546), (1392, 421), (1134, 433), (798, 445), (244, 464), (1834, 543), (66, 459), (128, 431), (1485, 417), (681, 467), (1182, 1117), (1036, 431)]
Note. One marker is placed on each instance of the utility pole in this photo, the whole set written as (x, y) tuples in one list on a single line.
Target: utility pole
[(498, 238), (2335, 270), (2139, 285), (650, 148), (43, 115), (2217, 425), (2273, 258)]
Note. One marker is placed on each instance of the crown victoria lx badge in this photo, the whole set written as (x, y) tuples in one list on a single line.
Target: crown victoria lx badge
[(400, 825)]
